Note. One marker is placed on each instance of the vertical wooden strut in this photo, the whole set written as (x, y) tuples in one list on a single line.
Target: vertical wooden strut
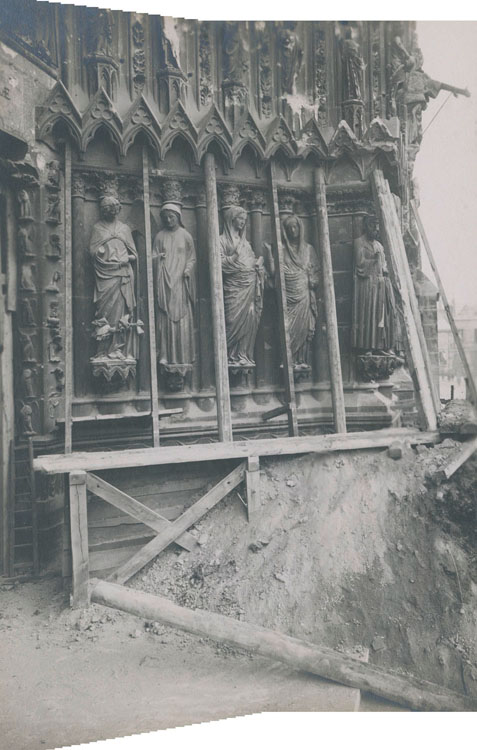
[(282, 310), (150, 299), (445, 302), (336, 377), (79, 539), (69, 386), (401, 278), (224, 415)]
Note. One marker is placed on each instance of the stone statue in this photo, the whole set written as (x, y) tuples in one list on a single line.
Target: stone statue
[(28, 382), (291, 59), (27, 282), (53, 178), (113, 252), (374, 309), (53, 285), (243, 280), (53, 210), (28, 315), (24, 204), (24, 243), (301, 280), (26, 414), (28, 350), (353, 67), (174, 280)]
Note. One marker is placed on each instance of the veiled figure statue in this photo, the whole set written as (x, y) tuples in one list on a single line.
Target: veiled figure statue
[(374, 310), (243, 281), (174, 262), (301, 280), (113, 252)]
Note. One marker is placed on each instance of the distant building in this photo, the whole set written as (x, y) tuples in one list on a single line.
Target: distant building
[(451, 372)]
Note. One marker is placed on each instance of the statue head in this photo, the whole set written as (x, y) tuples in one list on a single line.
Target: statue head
[(235, 217), (292, 228), (109, 207), (171, 216), (371, 227)]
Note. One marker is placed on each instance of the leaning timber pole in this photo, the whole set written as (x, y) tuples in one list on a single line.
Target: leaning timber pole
[(408, 691)]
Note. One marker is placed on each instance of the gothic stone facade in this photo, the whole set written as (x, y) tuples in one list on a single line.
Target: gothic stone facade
[(113, 114)]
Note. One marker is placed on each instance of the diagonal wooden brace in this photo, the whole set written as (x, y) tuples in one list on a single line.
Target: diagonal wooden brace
[(133, 508), (176, 528)]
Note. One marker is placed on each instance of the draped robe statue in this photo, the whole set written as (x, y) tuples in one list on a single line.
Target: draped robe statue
[(174, 280), (113, 251), (243, 280), (374, 310), (301, 279)]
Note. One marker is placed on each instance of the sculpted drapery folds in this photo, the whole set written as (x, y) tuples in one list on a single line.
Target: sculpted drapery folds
[(374, 310), (243, 280), (301, 280), (114, 253), (174, 262)]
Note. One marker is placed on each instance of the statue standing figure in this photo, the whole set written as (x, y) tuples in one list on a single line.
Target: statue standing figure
[(174, 280), (113, 251), (353, 65), (243, 276), (374, 309), (301, 280)]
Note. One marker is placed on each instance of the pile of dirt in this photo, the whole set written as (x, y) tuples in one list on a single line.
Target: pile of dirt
[(351, 549)]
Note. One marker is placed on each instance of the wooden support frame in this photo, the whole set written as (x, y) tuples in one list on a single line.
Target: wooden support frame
[(34, 510), (416, 350), (134, 508), (79, 538), (241, 449), (455, 333), (69, 383), (222, 387), (170, 533), (287, 363), (150, 298), (336, 377)]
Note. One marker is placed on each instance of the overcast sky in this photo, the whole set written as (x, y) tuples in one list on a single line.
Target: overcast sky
[(446, 167)]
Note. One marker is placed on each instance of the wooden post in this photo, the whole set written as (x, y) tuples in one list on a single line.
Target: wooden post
[(399, 270), (287, 362), (445, 302), (150, 299), (303, 655), (224, 413), (455, 462), (69, 385), (336, 377), (79, 539), (252, 480)]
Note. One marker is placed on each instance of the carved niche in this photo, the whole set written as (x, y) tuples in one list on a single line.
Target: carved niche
[(235, 64), (171, 79), (100, 59), (352, 65), (291, 58)]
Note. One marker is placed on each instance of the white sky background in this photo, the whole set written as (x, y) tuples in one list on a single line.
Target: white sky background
[(446, 167)]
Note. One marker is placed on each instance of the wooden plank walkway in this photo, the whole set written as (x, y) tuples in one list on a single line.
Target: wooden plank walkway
[(101, 460)]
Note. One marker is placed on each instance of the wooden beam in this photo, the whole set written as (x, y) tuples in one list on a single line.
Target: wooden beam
[(336, 377), (134, 508), (79, 539), (177, 527), (224, 412), (287, 361), (276, 412), (309, 657), (242, 449), (400, 275), (252, 479), (463, 357), (150, 299), (68, 348), (455, 462)]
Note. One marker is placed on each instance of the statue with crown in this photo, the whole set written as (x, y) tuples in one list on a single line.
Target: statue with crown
[(174, 261)]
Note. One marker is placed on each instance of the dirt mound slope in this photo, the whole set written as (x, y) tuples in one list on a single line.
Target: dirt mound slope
[(351, 549)]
